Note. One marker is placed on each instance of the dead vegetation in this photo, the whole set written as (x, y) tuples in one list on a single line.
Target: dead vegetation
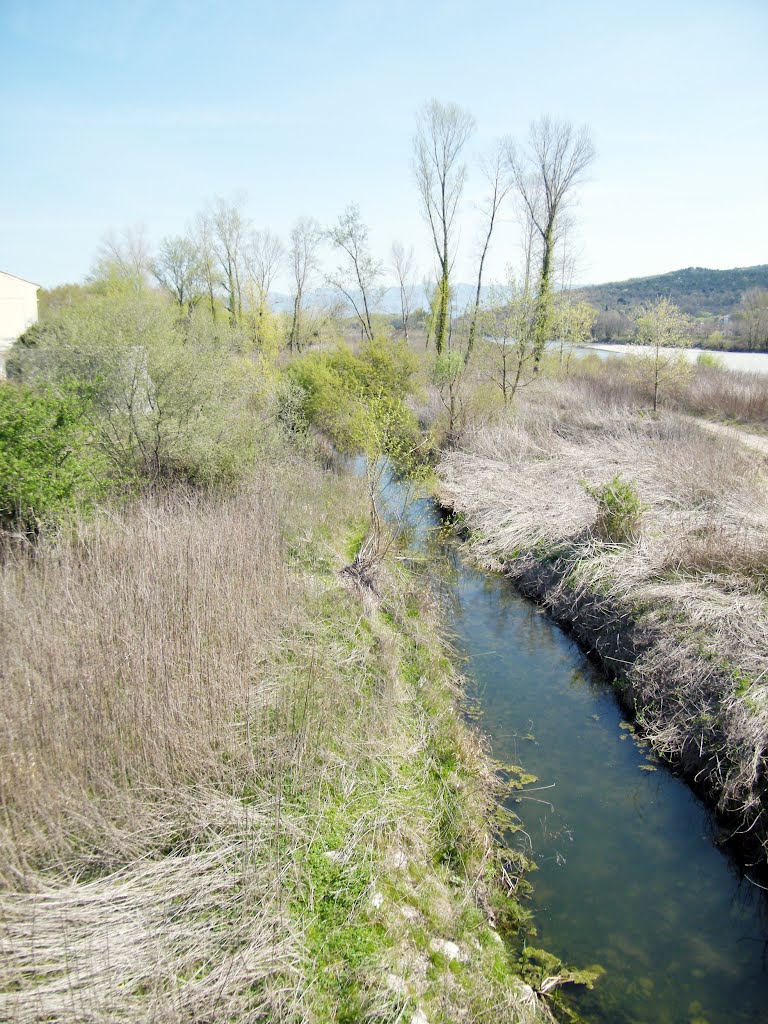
[(142, 743), (733, 396), (680, 612), (230, 789)]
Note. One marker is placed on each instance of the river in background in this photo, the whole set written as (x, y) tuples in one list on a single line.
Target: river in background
[(745, 362), (630, 876)]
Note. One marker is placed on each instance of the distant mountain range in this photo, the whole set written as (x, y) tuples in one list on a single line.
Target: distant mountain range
[(695, 290), (390, 302)]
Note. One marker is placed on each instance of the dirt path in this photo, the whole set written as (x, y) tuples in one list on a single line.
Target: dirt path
[(756, 442)]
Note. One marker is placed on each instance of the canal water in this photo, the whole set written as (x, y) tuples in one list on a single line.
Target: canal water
[(629, 874)]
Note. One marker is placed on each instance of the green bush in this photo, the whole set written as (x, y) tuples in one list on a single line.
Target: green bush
[(710, 361), (358, 401), (49, 466), (619, 509), (167, 402)]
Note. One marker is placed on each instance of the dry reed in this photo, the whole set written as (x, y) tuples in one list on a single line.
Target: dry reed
[(148, 730)]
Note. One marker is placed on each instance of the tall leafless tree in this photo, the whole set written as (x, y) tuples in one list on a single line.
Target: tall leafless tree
[(441, 134), (264, 258), (403, 265), (124, 254), (357, 279), (499, 182), (202, 237), (305, 239), (546, 173)]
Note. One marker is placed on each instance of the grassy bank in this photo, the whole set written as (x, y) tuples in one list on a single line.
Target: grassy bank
[(235, 786), (648, 537)]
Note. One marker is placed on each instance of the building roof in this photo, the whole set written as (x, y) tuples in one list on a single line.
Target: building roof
[(6, 274)]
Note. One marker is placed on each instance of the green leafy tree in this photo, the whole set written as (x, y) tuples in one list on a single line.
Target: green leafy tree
[(573, 325), (448, 375), (359, 401), (179, 269), (754, 317), (665, 330)]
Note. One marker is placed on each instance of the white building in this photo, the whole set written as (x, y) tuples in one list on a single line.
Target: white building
[(18, 309)]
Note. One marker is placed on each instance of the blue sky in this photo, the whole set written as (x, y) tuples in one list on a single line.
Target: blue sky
[(115, 113)]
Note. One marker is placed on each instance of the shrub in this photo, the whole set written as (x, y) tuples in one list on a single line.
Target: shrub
[(166, 402), (619, 509), (358, 401), (710, 361), (49, 467)]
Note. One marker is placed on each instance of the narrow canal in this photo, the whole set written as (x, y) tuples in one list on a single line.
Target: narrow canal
[(630, 876)]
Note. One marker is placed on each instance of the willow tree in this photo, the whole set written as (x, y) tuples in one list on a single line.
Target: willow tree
[(441, 134), (545, 174)]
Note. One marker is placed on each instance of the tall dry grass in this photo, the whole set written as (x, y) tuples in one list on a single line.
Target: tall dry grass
[(131, 674), (726, 394), (224, 773), (149, 727)]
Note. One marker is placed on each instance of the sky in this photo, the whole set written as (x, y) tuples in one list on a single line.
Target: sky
[(120, 113)]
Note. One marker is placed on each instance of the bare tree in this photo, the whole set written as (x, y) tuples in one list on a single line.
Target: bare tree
[(202, 237), (545, 175), (403, 264), (305, 239), (441, 134), (228, 228), (264, 254), (357, 280), (499, 185), (264, 257), (179, 269), (124, 255), (508, 321)]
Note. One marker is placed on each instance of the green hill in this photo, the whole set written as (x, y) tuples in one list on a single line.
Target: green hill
[(696, 290)]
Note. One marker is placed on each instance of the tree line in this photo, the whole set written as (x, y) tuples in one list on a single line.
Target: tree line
[(225, 264)]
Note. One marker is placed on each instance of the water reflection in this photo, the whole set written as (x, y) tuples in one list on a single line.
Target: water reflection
[(629, 875)]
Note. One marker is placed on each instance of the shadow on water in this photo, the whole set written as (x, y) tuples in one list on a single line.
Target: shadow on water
[(629, 875)]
